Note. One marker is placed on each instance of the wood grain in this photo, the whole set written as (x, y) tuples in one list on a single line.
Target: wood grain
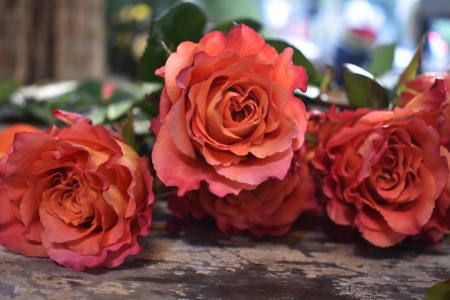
[(204, 264)]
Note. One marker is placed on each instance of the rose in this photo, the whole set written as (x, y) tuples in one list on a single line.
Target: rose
[(79, 195), (420, 84), (432, 104), (270, 209), (382, 172), (427, 96), (7, 135), (439, 224), (227, 113)]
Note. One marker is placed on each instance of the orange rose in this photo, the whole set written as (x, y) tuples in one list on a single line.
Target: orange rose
[(7, 135), (382, 172), (227, 113), (270, 209), (79, 195), (439, 224), (428, 98)]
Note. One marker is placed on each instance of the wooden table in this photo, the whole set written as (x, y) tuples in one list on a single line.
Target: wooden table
[(204, 264)]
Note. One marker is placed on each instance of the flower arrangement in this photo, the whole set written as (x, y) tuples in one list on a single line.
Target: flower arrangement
[(237, 143)]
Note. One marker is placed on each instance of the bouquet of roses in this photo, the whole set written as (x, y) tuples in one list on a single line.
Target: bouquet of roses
[(234, 136), (239, 147)]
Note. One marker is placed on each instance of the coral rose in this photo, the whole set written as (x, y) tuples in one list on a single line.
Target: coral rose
[(227, 113), (270, 209), (439, 224), (427, 96), (79, 195), (382, 172), (7, 135)]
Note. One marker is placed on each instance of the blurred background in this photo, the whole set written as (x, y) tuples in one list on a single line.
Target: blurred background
[(67, 39), (58, 40)]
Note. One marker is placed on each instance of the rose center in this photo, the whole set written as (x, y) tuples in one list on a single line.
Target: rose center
[(67, 203), (240, 111), (389, 161), (70, 198), (387, 179)]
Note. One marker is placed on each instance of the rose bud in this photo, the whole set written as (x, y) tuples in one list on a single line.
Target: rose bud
[(79, 195)]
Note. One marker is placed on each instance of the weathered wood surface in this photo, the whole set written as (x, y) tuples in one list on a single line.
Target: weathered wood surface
[(204, 264)]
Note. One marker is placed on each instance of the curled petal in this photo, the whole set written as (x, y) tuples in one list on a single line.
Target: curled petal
[(69, 118)]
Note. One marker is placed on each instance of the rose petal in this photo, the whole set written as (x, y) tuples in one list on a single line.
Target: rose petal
[(11, 230), (255, 170), (96, 137), (69, 118), (69, 258), (410, 218), (288, 75), (381, 235), (430, 99), (185, 172), (7, 135), (341, 213)]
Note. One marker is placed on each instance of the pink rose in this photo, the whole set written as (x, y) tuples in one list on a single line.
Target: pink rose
[(270, 209), (227, 113), (79, 195), (382, 172)]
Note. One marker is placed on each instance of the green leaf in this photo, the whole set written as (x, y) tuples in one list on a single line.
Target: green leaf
[(382, 59), (40, 112), (7, 87), (76, 102), (324, 85), (182, 22), (225, 26), (363, 89), (298, 59), (97, 114), (128, 132), (117, 110), (91, 87), (439, 291), (411, 70), (63, 100), (148, 107), (120, 95)]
